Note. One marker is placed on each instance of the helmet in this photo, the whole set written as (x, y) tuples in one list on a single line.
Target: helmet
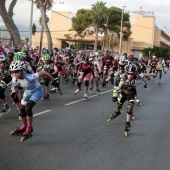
[(46, 57), (154, 57), (96, 53), (56, 49), (86, 58), (18, 56), (122, 58), (92, 54), (16, 65), (117, 57), (124, 54), (131, 68), (2, 57)]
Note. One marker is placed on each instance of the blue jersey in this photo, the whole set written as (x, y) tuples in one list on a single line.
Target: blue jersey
[(29, 82)]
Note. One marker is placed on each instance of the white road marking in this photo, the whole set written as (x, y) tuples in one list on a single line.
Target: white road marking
[(88, 98), (40, 113), (3, 126)]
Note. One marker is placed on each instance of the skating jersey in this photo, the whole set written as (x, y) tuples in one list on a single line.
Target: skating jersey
[(129, 86), (159, 66), (153, 64), (50, 68), (29, 82)]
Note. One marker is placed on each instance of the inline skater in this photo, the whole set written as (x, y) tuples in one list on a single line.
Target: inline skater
[(96, 70), (32, 93), (127, 90), (5, 79), (159, 69), (153, 64), (49, 68), (85, 73)]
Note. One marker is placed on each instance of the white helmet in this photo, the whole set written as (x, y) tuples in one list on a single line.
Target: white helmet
[(122, 58), (92, 54), (154, 57), (96, 53), (16, 65), (2, 57)]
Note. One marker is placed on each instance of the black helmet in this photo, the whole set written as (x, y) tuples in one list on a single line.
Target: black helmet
[(86, 58), (56, 49)]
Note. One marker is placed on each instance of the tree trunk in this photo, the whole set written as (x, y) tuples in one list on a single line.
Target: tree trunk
[(96, 40), (46, 29), (41, 39), (9, 22)]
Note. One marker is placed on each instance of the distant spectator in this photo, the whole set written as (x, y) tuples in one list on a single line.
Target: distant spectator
[(16, 49)]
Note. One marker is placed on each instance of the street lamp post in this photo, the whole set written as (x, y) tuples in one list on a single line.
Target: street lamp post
[(30, 31), (120, 43)]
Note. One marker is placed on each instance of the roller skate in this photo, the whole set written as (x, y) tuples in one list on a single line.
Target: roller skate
[(27, 134), (91, 88), (55, 89), (77, 91), (72, 82), (159, 82), (85, 96), (5, 110), (103, 84), (60, 92), (138, 102), (127, 128), (18, 131), (46, 96), (132, 117), (114, 115), (98, 92)]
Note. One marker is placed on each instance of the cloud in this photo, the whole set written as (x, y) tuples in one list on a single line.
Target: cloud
[(160, 8)]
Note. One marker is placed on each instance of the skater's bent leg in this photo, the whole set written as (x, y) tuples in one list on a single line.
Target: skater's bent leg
[(86, 85), (28, 110), (129, 110), (23, 115)]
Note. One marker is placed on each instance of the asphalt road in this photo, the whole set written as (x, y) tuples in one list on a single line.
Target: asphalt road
[(72, 134)]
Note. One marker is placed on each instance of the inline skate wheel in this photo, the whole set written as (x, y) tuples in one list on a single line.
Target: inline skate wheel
[(126, 133), (25, 138)]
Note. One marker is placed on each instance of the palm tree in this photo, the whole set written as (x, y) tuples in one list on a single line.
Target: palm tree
[(41, 36), (43, 6), (99, 12), (9, 22)]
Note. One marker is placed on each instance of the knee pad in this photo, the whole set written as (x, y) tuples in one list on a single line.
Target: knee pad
[(78, 84), (130, 108), (46, 82), (2, 95), (22, 111), (15, 97), (119, 105), (86, 83), (28, 107)]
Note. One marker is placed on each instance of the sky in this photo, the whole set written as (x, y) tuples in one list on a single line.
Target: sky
[(160, 8)]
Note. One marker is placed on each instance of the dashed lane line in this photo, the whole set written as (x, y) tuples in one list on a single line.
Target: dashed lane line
[(85, 99), (40, 113)]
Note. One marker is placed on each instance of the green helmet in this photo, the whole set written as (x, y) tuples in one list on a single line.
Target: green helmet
[(18, 56), (46, 57)]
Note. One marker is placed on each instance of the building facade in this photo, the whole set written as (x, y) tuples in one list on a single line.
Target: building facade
[(144, 34)]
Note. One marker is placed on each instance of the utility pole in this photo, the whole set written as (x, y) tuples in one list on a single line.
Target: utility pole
[(31, 19), (120, 43)]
